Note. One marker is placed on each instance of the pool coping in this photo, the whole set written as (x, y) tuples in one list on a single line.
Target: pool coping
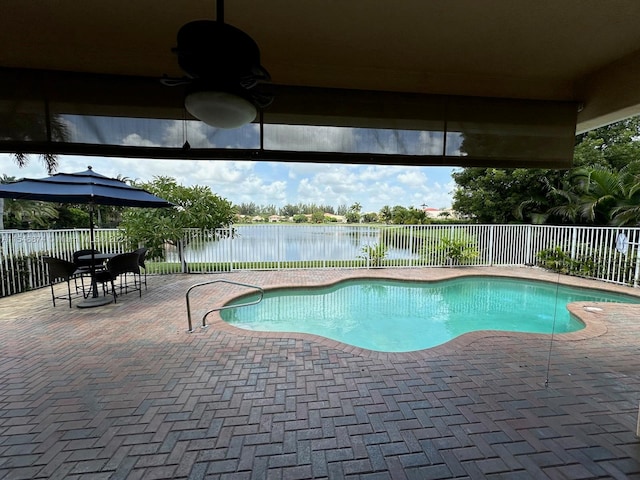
[(592, 314)]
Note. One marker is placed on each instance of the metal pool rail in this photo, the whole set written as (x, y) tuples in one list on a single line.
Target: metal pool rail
[(204, 317)]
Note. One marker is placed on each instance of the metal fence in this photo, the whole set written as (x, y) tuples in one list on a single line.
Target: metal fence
[(585, 251)]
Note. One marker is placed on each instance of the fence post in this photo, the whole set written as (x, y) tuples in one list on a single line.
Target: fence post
[(529, 252), (411, 235), (574, 241), (491, 244), (636, 274), (231, 249), (278, 247), (183, 261)]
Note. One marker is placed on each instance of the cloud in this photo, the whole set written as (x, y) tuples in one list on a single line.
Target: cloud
[(254, 189), (309, 138), (413, 178), (135, 140), (277, 183), (177, 132)]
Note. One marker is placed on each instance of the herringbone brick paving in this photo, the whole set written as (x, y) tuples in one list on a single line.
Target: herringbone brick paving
[(123, 392)]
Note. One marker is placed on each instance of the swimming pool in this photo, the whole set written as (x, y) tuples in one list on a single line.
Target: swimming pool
[(399, 316)]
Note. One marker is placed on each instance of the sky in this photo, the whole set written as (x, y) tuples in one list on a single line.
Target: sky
[(264, 182), (273, 183)]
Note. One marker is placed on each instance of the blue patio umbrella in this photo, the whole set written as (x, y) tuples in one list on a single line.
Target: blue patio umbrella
[(86, 187), (81, 187)]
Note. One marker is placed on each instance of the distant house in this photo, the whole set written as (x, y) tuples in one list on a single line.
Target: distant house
[(432, 212), (275, 218), (440, 213)]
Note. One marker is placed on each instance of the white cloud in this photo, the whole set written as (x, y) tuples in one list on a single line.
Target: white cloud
[(377, 172), (136, 140), (414, 178), (194, 132), (373, 186), (433, 141), (254, 189), (309, 138)]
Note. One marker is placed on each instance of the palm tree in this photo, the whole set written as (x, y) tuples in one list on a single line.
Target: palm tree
[(597, 189), (599, 195), (627, 210), (20, 211), (27, 127), (50, 160), (4, 179), (356, 208), (34, 127), (385, 214)]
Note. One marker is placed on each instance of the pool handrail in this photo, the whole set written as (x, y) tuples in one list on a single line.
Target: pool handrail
[(224, 307)]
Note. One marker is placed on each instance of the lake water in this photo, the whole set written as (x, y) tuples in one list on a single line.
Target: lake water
[(274, 242)]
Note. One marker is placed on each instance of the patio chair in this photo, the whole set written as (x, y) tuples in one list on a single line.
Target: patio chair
[(118, 267), (142, 253), (83, 267), (60, 270)]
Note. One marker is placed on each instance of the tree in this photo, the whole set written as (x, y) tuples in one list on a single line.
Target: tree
[(492, 195), (370, 217), (195, 207), (353, 215), (248, 209), (290, 210), (34, 126), (588, 196), (70, 216), (28, 214), (25, 214), (602, 188), (408, 216), (317, 217), (417, 217), (399, 215), (613, 146), (385, 214), (600, 196), (29, 127)]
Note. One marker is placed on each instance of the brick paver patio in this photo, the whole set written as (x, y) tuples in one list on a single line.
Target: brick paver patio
[(122, 391)]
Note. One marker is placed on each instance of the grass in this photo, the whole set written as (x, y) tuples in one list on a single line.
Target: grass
[(212, 267), (206, 267)]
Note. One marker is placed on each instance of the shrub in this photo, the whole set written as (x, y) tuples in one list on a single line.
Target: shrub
[(458, 251), (374, 254)]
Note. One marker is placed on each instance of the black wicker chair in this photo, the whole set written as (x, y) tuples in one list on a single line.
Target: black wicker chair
[(120, 266), (142, 253), (83, 267), (60, 270)]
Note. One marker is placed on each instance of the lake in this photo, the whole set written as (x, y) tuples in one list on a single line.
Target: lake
[(277, 242)]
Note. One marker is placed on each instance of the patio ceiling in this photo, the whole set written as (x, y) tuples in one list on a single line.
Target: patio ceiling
[(105, 58)]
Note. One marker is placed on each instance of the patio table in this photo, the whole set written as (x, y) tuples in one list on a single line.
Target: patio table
[(94, 300)]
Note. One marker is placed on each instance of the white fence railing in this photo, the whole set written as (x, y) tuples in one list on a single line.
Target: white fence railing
[(584, 251)]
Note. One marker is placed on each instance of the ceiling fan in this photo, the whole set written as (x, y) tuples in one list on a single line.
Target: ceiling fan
[(224, 79)]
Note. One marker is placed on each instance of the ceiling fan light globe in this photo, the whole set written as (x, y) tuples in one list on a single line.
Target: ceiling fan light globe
[(220, 109)]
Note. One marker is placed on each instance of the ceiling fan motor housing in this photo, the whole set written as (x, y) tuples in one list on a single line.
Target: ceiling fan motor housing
[(217, 52), (223, 66)]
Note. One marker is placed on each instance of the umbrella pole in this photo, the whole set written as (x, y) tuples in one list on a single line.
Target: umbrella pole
[(94, 300), (92, 245)]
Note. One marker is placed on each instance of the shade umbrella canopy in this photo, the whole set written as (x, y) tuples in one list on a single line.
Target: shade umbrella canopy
[(81, 187)]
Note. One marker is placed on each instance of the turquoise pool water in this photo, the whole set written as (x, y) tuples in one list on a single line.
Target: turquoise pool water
[(397, 316)]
